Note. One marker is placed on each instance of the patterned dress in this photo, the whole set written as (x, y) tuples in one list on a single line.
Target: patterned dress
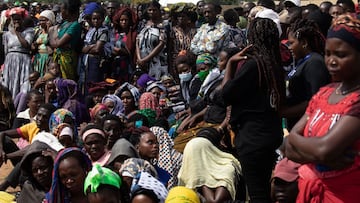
[(42, 56)]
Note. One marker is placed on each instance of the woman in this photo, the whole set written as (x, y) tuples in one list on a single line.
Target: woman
[(65, 39), (41, 42), (151, 43), (17, 44), (182, 33), (114, 104), (121, 151), (326, 138), (125, 23), (98, 112), (93, 52), (7, 112), (38, 168), (202, 163), (70, 168), (113, 128), (95, 141), (309, 74), (255, 92), (65, 134), (129, 96)]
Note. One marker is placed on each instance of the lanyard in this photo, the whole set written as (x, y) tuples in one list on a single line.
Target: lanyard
[(293, 71)]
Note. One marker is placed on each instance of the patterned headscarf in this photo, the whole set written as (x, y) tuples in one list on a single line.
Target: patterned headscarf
[(16, 11), (207, 59), (169, 159), (133, 90), (58, 117), (96, 109), (133, 166), (118, 109), (58, 192), (347, 28), (148, 101)]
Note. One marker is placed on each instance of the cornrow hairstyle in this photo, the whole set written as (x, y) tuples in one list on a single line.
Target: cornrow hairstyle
[(137, 133), (264, 36), (308, 31)]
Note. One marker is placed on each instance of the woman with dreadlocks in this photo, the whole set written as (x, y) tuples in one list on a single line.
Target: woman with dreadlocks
[(309, 73), (254, 86)]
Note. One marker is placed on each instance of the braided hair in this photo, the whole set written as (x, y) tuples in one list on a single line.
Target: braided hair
[(308, 31), (264, 36)]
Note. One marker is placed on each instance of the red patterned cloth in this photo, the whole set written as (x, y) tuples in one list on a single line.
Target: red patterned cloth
[(319, 184)]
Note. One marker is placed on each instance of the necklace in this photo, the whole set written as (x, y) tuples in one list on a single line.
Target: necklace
[(338, 90)]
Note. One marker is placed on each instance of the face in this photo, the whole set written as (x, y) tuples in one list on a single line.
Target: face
[(54, 69), (103, 198), (100, 115), (168, 83), (142, 198), (335, 11), (95, 146), (41, 170), (35, 103), (17, 20), (285, 192), (341, 60), (111, 8), (42, 119), (153, 12), (33, 78), (210, 14), (183, 20), (118, 162), (66, 140), (296, 46), (183, 68), (148, 146), (64, 12), (222, 60), (43, 21), (200, 8), (97, 97), (97, 20), (124, 21), (50, 87), (202, 67), (113, 131), (156, 92), (128, 100), (109, 104), (72, 175)]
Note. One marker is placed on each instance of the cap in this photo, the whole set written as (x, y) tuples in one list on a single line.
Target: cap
[(295, 2), (287, 170)]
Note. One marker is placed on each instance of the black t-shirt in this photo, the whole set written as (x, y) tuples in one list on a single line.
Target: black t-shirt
[(257, 125)]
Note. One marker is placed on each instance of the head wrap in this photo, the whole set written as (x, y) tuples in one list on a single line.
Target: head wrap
[(96, 109), (92, 131), (118, 109), (167, 77), (157, 84), (58, 118), (48, 139), (207, 59), (122, 147), (272, 15), (182, 194), (91, 7), (49, 15), (149, 114), (347, 28), (133, 90), (58, 192), (144, 79), (101, 176), (16, 11), (148, 101), (148, 182), (67, 89), (134, 166), (66, 131)]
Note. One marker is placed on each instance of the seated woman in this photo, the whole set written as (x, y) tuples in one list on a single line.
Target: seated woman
[(95, 144), (70, 168), (210, 110), (121, 151), (113, 128), (114, 104), (102, 185), (37, 167), (202, 162), (129, 96), (65, 134), (97, 113)]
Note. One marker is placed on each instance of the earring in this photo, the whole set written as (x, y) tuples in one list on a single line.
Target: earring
[(304, 46)]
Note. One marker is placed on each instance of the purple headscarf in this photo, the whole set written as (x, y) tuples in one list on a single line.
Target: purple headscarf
[(91, 7)]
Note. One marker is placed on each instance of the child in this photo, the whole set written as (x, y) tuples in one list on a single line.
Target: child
[(102, 185)]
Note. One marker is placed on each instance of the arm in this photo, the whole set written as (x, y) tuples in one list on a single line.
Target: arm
[(22, 40), (327, 148), (9, 133), (154, 52), (97, 48), (55, 42)]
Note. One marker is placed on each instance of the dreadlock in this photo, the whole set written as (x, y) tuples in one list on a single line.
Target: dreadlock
[(264, 36), (308, 31)]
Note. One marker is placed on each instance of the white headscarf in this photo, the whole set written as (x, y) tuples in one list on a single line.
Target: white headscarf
[(49, 15)]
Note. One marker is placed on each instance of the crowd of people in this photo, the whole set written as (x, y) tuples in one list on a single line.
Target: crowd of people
[(107, 102)]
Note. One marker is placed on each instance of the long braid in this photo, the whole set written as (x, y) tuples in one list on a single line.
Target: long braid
[(309, 31), (264, 36)]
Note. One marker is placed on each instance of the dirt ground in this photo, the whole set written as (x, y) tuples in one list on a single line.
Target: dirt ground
[(4, 171)]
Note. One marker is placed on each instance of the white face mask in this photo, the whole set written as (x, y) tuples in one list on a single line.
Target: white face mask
[(185, 77)]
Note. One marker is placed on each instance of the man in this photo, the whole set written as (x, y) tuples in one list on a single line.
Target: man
[(212, 36), (111, 8), (28, 132)]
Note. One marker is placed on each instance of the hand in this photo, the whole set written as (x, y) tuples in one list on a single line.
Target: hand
[(240, 55), (193, 121), (141, 62)]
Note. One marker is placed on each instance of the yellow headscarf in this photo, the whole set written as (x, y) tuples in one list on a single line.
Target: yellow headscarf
[(182, 194)]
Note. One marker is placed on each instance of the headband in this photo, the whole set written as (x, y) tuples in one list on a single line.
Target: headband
[(67, 131), (92, 131), (346, 34)]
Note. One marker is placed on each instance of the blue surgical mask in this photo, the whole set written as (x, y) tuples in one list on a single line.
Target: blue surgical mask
[(185, 77)]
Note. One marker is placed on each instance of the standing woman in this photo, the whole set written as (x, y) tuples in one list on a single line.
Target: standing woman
[(151, 43), (66, 39), (17, 44), (125, 23), (326, 139), (309, 74), (255, 92), (41, 41)]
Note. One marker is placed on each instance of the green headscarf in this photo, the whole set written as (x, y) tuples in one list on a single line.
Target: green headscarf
[(101, 176), (207, 59)]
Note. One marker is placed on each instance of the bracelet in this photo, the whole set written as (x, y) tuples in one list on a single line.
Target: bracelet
[(220, 129)]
